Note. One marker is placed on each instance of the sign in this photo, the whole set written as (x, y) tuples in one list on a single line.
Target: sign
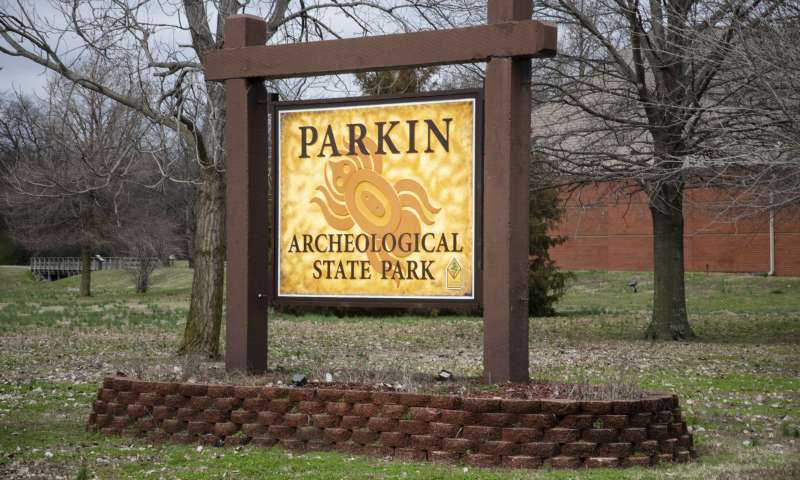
[(507, 43), (377, 200)]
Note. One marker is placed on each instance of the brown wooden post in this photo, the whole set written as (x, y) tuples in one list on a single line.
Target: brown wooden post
[(505, 214), (245, 207)]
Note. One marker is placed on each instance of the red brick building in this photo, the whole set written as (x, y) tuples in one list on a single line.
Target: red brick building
[(610, 231)]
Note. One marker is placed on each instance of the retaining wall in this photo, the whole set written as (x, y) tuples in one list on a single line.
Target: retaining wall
[(481, 432)]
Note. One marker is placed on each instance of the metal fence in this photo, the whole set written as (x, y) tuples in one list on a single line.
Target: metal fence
[(53, 268)]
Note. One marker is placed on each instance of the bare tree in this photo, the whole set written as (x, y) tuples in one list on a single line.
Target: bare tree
[(140, 37), (767, 58), (149, 239), (644, 93), (72, 156)]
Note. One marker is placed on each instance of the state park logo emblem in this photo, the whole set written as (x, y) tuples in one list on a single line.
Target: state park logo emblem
[(377, 200)]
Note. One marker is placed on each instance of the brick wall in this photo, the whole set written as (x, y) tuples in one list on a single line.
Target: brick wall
[(607, 230), (442, 429)]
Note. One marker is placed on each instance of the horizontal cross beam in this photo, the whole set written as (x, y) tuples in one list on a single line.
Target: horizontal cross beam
[(526, 38)]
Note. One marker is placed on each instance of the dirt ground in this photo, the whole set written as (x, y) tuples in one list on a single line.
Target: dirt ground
[(739, 383)]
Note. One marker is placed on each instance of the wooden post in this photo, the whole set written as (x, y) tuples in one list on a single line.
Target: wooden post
[(505, 214), (245, 207)]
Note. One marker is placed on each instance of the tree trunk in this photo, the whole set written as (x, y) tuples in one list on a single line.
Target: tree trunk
[(204, 321), (189, 234), (143, 274), (669, 321), (86, 271)]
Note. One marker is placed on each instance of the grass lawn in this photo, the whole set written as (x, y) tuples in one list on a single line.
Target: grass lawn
[(739, 383)]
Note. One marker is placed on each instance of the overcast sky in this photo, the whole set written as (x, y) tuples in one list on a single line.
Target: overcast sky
[(19, 74), (22, 75)]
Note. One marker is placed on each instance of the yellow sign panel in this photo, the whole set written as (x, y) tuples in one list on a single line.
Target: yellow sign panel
[(377, 200)]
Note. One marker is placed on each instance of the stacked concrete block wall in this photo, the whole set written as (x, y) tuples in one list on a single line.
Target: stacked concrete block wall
[(484, 432)]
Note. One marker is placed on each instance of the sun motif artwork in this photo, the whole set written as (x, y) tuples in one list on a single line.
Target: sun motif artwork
[(376, 200), (355, 193)]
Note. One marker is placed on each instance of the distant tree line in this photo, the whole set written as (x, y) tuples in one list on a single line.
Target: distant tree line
[(79, 176)]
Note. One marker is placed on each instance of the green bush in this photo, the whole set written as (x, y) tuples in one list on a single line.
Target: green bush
[(546, 284)]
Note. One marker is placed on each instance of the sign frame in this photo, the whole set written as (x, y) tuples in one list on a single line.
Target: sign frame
[(507, 43), (400, 302)]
